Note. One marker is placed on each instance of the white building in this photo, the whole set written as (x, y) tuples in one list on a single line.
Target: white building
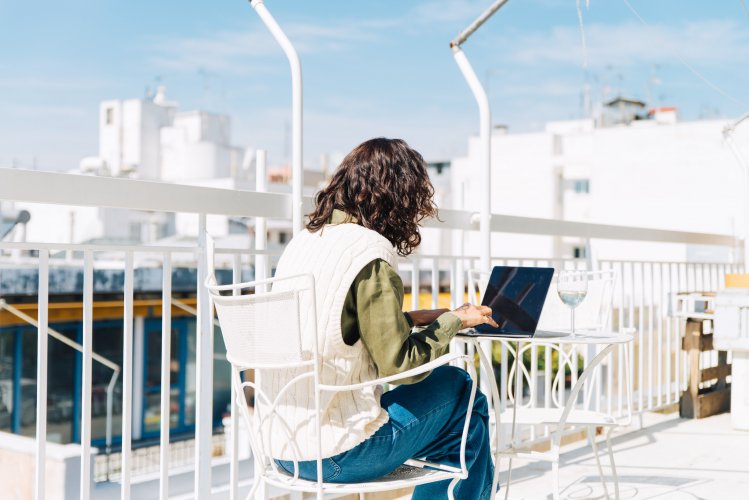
[(150, 139), (655, 173)]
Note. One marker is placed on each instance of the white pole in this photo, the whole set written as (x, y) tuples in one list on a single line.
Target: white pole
[(485, 125), (485, 130), (728, 132), (296, 117)]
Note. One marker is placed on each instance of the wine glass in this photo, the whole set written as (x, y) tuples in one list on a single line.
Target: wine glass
[(572, 286)]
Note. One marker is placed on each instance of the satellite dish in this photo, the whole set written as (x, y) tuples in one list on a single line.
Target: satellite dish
[(23, 217)]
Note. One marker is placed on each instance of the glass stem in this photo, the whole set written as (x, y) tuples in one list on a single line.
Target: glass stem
[(572, 314)]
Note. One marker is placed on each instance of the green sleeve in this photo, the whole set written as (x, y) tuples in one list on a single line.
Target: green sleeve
[(386, 331)]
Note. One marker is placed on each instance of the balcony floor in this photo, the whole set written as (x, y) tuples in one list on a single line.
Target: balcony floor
[(670, 458)]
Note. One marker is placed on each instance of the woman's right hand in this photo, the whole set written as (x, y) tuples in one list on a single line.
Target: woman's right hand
[(471, 316)]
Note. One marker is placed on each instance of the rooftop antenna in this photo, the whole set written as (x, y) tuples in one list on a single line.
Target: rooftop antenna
[(728, 135), (296, 114), (652, 82)]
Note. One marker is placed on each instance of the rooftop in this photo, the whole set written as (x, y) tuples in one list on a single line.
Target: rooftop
[(668, 458)]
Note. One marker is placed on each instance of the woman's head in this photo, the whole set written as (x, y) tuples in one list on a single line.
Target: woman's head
[(384, 184)]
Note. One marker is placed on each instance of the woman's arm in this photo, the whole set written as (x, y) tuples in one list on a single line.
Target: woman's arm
[(385, 331), (424, 317)]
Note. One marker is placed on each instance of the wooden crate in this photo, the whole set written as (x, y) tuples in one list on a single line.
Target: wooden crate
[(715, 395)]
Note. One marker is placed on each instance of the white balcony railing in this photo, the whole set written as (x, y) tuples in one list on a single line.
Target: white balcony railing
[(641, 301)]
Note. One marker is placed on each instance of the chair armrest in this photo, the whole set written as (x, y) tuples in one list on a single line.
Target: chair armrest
[(442, 360)]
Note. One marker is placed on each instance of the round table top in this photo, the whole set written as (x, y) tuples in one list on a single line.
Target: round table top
[(553, 337)]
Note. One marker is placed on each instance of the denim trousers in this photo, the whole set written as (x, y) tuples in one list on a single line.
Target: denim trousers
[(426, 422)]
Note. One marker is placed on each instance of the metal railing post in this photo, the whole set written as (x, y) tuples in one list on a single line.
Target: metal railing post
[(166, 396), (262, 271), (295, 64), (86, 380), (127, 377), (41, 375), (204, 374)]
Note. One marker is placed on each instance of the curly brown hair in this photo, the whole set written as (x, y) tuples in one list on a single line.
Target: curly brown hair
[(384, 184)]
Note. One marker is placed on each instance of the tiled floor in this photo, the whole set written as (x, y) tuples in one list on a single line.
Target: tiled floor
[(671, 458)]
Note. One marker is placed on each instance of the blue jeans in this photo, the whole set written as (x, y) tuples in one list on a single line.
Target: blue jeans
[(426, 421)]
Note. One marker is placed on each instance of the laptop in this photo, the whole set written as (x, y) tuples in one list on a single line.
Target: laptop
[(516, 296)]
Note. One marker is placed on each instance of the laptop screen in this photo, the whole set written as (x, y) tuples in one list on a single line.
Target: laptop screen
[(516, 296)]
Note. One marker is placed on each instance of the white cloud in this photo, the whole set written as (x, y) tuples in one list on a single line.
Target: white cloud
[(47, 84), (239, 51), (706, 42), (438, 11), (40, 110)]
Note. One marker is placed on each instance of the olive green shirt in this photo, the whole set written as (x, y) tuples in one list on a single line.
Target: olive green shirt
[(373, 312)]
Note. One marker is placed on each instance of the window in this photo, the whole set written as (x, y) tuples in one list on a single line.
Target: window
[(579, 186), (578, 252), (107, 343), (582, 186), (109, 116), (61, 382), (7, 346), (283, 237), (134, 231)]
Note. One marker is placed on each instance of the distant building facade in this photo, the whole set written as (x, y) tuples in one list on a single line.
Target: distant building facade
[(646, 169)]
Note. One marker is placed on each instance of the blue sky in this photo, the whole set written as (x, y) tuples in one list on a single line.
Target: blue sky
[(371, 67)]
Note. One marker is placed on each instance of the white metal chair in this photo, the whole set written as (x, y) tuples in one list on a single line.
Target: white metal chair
[(556, 411), (273, 330)]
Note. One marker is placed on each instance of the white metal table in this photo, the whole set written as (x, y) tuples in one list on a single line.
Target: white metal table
[(559, 417)]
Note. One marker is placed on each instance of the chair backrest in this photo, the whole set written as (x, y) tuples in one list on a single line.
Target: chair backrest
[(260, 329), (266, 331), (593, 313), (477, 281)]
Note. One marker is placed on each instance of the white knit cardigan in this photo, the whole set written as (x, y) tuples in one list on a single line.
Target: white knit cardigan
[(334, 255)]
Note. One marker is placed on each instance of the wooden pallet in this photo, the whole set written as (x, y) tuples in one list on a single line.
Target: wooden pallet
[(715, 395)]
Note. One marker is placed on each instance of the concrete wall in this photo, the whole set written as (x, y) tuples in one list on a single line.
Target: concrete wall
[(17, 469)]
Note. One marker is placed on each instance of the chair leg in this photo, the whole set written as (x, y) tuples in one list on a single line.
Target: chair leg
[(495, 484), (555, 478), (613, 465), (450, 488), (509, 478), (361, 496), (594, 445), (253, 490)]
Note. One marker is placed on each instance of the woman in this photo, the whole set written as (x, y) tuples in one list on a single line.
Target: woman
[(367, 216)]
